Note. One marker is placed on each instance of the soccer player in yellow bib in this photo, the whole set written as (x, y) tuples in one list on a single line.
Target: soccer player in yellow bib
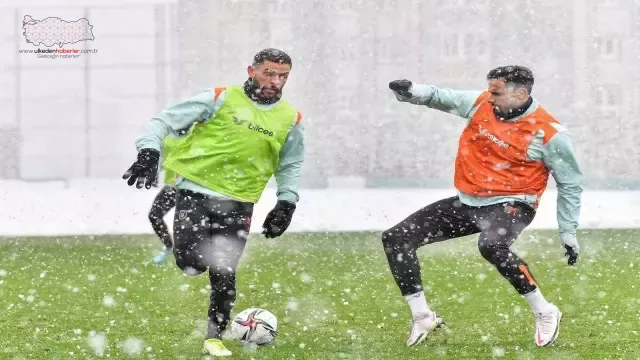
[(242, 136)]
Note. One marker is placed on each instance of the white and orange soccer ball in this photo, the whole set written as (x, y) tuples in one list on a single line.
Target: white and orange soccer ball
[(255, 326)]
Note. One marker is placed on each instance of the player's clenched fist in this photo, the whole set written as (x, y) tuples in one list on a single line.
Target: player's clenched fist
[(401, 87), (278, 219)]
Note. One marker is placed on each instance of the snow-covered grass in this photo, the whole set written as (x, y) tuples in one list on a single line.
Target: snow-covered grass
[(99, 297)]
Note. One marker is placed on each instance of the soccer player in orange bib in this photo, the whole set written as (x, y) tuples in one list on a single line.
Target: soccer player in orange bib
[(505, 155)]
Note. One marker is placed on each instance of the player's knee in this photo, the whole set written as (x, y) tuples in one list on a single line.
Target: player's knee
[(487, 249), (192, 270), (392, 241), (493, 251), (388, 238), (154, 215), (188, 266)]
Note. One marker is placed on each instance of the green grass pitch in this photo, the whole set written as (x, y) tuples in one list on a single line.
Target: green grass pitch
[(100, 297)]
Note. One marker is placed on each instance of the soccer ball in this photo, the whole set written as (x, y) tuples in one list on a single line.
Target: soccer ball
[(255, 326)]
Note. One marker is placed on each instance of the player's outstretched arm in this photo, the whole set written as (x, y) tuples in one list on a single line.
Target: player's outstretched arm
[(458, 102), (172, 120), (178, 118), (287, 176), (559, 157)]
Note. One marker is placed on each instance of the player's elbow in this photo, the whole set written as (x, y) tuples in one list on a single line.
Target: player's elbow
[(569, 182), (570, 188), (289, 169)]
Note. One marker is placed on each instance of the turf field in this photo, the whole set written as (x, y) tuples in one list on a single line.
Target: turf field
[(99, 297)]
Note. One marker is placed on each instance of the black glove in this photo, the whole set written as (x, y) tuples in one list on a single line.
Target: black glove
[(572, 254), (144, 170), (571, 246), (278, 219), (401, 87)]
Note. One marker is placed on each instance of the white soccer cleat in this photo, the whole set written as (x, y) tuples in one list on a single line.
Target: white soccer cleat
[(547, 325), (422, 325)]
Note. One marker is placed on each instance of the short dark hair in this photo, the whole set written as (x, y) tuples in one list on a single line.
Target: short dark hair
[(274, 55), (517, 75)]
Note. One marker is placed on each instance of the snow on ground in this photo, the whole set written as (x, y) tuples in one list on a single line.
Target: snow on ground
[(94, 207)]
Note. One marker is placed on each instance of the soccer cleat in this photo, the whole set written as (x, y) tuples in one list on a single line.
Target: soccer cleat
[(547, 325), (422, 325), (215, 347), (162, 256)]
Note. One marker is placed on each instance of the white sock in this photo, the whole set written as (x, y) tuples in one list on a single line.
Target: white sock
[(536, 300), (417, 303)]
